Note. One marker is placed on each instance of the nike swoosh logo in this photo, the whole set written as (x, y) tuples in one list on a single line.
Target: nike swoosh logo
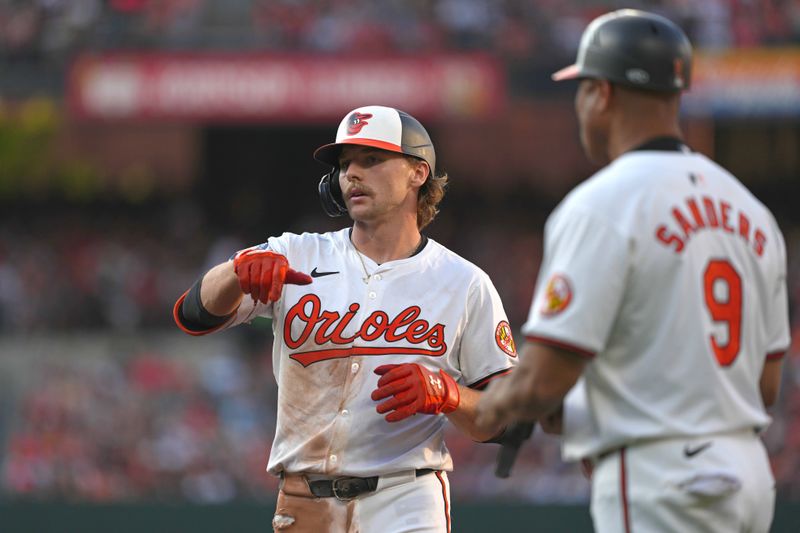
[(690, 452), (315, 274)]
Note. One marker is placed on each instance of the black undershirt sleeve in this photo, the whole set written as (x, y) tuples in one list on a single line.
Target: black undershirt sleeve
[(196, 317)]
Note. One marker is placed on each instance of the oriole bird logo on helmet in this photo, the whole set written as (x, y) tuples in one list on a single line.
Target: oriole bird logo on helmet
[(356, 122)]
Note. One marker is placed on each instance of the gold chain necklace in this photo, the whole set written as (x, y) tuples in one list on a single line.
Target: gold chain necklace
[(367, 275)]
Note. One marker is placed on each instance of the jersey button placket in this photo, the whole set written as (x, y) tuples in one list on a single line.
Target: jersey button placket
[(344, 418), (369, 303), (375, 278)]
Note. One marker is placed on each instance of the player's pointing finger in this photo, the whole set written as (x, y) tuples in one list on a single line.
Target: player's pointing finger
[(293, 277)]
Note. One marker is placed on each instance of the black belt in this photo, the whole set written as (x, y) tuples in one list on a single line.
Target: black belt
[(347, 488)]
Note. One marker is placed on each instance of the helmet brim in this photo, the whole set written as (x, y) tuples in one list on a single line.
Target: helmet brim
[(329, 153), (571, 72)]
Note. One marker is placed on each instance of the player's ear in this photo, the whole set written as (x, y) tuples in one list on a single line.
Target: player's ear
[(594, 96), (420, 172), (605, 94)]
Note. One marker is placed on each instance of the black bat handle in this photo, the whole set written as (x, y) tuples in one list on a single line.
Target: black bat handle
[(513, 438)]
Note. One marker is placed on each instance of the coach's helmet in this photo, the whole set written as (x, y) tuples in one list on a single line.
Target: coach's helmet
[(377, 126), (633, 48)]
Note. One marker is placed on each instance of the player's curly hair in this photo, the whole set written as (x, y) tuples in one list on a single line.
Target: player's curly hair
[(430, 194)]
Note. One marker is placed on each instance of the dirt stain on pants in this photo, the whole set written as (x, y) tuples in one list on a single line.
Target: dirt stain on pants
[(304, 514)]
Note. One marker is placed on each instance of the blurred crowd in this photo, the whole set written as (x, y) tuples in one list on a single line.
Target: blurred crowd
[(74, 271), (55, 29), (144, 427), (167, 424)]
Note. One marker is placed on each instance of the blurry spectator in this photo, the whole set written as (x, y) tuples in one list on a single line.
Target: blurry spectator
[(20, 23)]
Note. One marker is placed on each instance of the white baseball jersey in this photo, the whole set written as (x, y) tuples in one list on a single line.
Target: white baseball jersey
[(433, 308), (671, 277)]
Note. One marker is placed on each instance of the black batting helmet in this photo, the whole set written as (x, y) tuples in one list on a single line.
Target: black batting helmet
[(633, 48), (381, 127)]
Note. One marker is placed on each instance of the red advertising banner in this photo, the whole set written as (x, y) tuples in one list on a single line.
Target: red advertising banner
[(208, 87)]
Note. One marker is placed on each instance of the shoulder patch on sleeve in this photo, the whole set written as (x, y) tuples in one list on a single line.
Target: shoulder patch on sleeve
[(502, 334), (557, 295)]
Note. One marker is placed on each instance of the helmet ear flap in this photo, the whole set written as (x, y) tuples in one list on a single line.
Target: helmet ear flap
[(330, 194)]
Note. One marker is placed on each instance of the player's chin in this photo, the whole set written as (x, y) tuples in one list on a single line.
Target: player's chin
[(358, 211)]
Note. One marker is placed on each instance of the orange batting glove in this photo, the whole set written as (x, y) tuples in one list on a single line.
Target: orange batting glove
[(262, 274), (412, 389)]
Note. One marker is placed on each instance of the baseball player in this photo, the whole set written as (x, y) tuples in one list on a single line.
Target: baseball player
[(660, 315), (390, 335)]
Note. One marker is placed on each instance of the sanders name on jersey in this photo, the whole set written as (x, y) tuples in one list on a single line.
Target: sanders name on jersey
[(709, 213)]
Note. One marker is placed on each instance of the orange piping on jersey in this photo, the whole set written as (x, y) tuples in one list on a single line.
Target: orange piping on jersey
[(776, 355), (563, 345), (315, 356), (444, 496), (176, 315), (623, 486)]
